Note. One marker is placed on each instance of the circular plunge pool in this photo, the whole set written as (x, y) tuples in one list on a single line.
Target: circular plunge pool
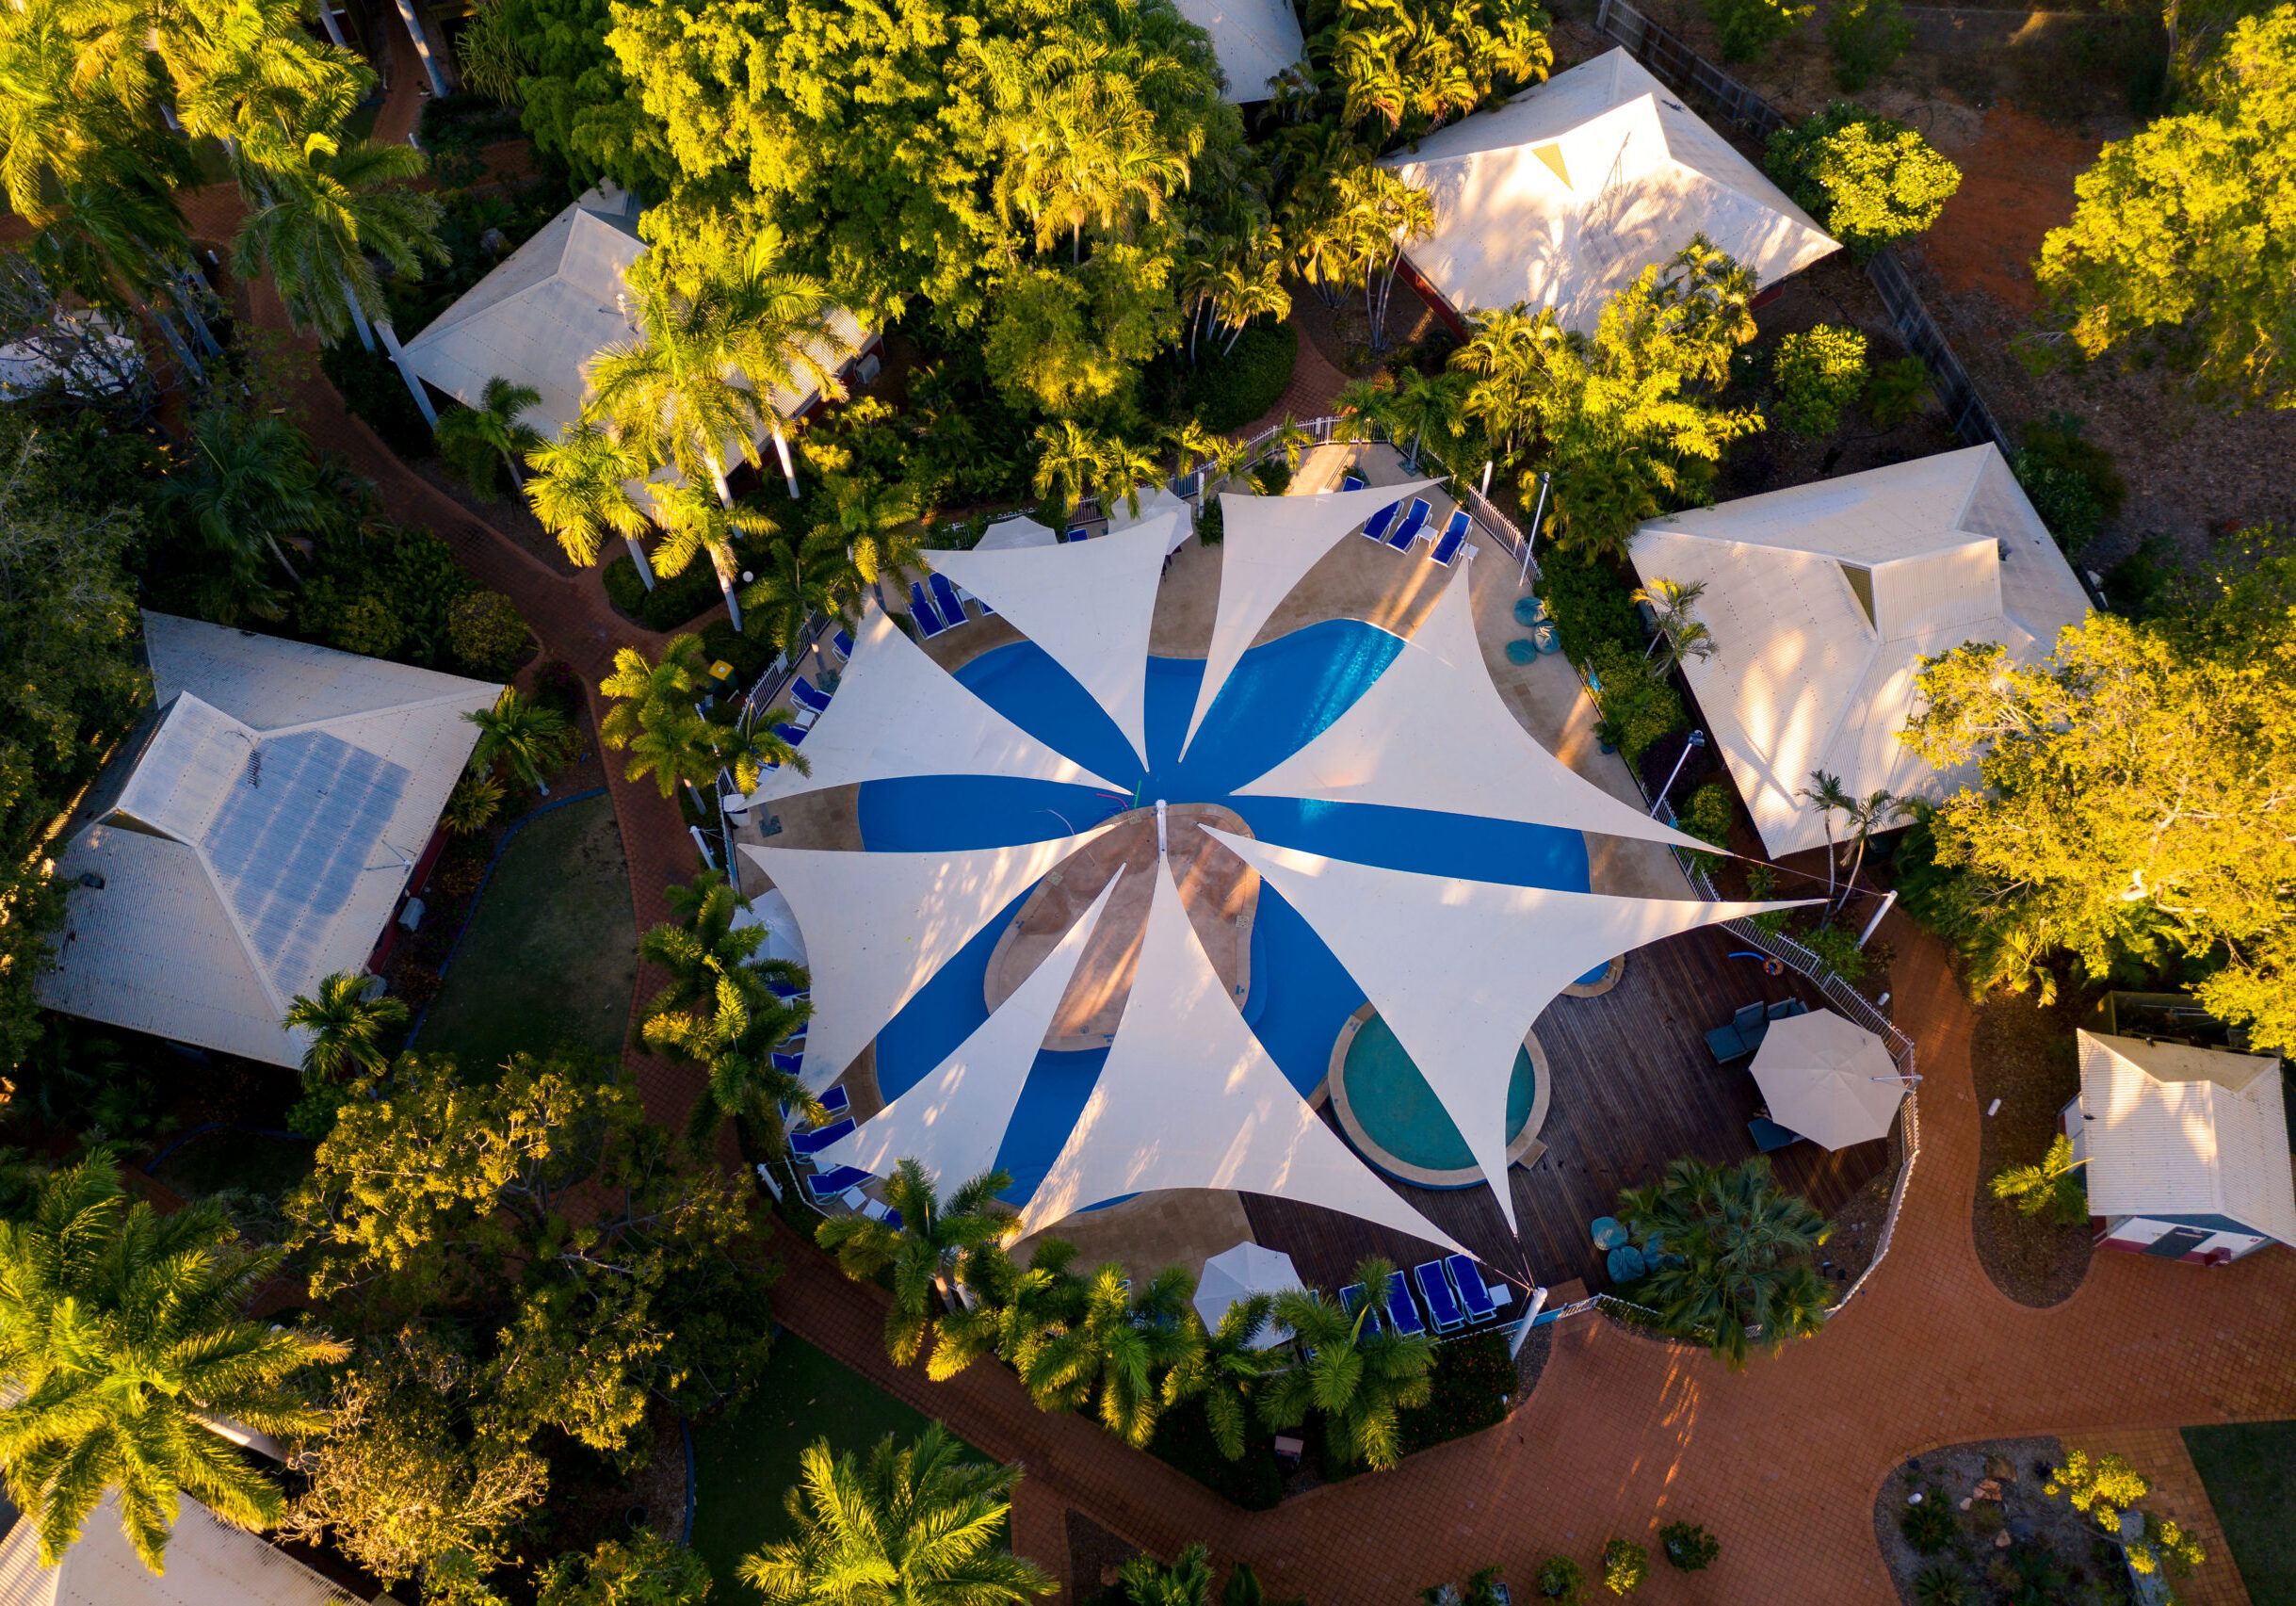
[(1393, 1118)]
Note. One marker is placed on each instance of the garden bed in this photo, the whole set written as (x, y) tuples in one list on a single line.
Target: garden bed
[(2022, 1053), (1994, 1547)]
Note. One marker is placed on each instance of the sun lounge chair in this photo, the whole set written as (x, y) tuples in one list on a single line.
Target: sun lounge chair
[(1354, 481), (1078, 532), (830, 1184), (1402, 1311), (808, 1145), (836, 1101), (1741, 1037), (1351, 1300), (1474, 1293), (944, 598), (1436, 1288), (807, 695), (789, 1065), (790, 734), (842, 644), (920, 610), (1376, 526), (1454, 536), (1769, 1137), (1414, 522)]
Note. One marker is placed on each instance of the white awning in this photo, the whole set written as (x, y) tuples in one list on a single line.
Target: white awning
[(1432, 733), (1271, 542), (897, 712), (1088, 605), (1189, 1100), (1828, 1079), (953, 1121), (1009, 535), (879, 925), (1460, 969)]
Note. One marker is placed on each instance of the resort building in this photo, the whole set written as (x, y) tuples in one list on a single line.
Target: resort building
[(210, 1563), (255, 835), (1560, 197), (2186, 1148), (1822, 600), (1254, 40)]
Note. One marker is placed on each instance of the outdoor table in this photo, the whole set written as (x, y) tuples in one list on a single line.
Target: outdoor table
[(1607, 1233)]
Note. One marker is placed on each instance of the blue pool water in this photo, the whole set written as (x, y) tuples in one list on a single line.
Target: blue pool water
[(1280, 696), (1412, 1125)]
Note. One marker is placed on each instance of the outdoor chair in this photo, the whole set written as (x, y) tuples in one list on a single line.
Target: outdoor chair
[(806, 695), (1402, 1312), (1626, 1263), (1413, 525), (1351, 1300), (1741, 1037), (789, 733), (1474, 1293), (842, 644), (1769, 1137), (1354, 481), (1079, 532), (811, 1143), (944, 598), (1376, 526), (789, 1065), (1529, 611), (1436, 1288), (826, 1185), (921, 609), (1454, 536)]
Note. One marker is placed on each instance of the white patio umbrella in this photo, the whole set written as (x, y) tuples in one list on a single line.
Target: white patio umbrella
[(1828, 1079), (1237, 1274), (770, 910)]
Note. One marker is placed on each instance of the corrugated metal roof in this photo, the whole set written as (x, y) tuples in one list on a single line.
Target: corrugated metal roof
[(2173, 1129), (209, 1564), (1254, 40)]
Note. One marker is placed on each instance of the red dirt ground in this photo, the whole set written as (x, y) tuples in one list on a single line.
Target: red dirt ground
[(2016, 185)]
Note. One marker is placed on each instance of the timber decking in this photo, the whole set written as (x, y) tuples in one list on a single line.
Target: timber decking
[(1634, 1087)]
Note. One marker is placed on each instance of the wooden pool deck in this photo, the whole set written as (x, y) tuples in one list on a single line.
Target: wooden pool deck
[(1634, 1087)]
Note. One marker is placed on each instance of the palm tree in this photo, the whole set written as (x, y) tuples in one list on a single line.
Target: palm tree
[(475, 438), (1601, 496), (876, 521), (704, 944), (1295, 438), (2047, 1188), (800, 579), (346, 1027), (695, 522), (1068, 462), (1122, 1343), (244, 484), (780, 335), (1226, 1369), (643, 690), (915, 1526), (581, 491), (1732, 1255), (1190, 442), (1361, 1382), (1425, 404), (735, 1039), (124, 1347), (527, 736), (1877, 811), (1186, 1583), (673, 389), (1013, 1313), (1827, 794), (1241, 292), (1670, 602), (922, 1251), (1123, 470)]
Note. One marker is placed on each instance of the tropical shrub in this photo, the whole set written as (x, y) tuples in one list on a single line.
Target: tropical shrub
[(372, 386), (361, 577), (1183, 1441), (488, 633), (1272, 477), (1226, 390), (675, 600), (1836, 946), (1637, 707), (2072, 483), (1941, 1586), (1814, 374), (1712, 807), (1748, 29), (1867, 179), (1736, 1270), (471, 806), (1588, 603), (1625, 1565), (2051, 1187), (1469, 1388), (651, 1571), (1559, 1579), (1865, 36), (1929, 1527), (1688, 1547), (1894, 391)]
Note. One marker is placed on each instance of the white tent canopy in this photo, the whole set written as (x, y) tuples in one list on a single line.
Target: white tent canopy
[(1271, 542), (1189, 1100), (897, 712), (2176, 1131), (1431, 733), (1461, 970), (879, 925), (1562, 195), (1008, 535), (1254, 40), (1823, 599), (953, 1121), (1234, 1275), (784, 938), (1828, 1079), (1155, 506), (1088, 605)]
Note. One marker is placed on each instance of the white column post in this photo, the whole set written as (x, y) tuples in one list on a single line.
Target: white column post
[(335, 29), (1887, 902), (1538, 1302), (406, 371)]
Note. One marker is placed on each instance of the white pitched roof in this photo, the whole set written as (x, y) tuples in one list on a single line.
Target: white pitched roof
[(897, 712), (1189, 1098), (2176, 1131), (210, 1563), (1254, 40), (953, 1121), (261, 838), (1564, 194), (878, 925), (1460, 969), (1823, 598), (1089, 604), (1271, 542), (1432, 733), (552, 304)]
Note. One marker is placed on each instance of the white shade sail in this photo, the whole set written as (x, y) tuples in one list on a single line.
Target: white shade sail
[(1432, 733), (1007, 534), (1154, 506), (1234, 1275), (783, 937), (897, 712), (1271, 542), (1460, 969), (1828, 1079), (1189, 1100), (953, 1122), (878, 925), (1088, 605)]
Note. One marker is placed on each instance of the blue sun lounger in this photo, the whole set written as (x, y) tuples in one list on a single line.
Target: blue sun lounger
[(1079, 532), (1454, 536), (1351, 1300), (1402, 1311), (922, 612), (1474, 1293), (806, 695), (944, 598), (1376, 526), (842, 644), (790, 734), (808, 1145), (827, 1185), (1436, 1288), (789, 1065), (1413, 524), (1354, 481)]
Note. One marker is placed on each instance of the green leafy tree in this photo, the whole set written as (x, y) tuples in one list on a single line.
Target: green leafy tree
[(2048, 1187), (1867, 37), (1748, 29), (650, 1570), (1224, 1369), (2175, 234), (1637, 707), (1122, 1347), (244, 484), (1359, 1383), (913, 1526), (528, 738), (1868, 180), (1688, 1547), (1736, 1270), (921, 1253), (1625, 1565), (474, 439), (348, 1029), (123, 1339), (2105, 1488), (581, 494), (492, 56), (1814, 374)]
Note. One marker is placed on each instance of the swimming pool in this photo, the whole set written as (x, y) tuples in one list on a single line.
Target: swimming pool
[(1402, 1115), (1281, 695)]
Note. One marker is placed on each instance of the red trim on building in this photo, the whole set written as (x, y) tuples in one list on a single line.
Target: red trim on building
[(1435, 300)]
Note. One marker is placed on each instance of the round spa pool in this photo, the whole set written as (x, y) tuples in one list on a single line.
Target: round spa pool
[(1394, 1119)]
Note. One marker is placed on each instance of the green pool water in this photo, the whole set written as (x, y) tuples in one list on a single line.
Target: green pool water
[(1401, 1114)]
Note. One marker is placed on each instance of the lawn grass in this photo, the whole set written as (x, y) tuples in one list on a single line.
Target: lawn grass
[(2250, 1470), (550, 955), (745, 1461)]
